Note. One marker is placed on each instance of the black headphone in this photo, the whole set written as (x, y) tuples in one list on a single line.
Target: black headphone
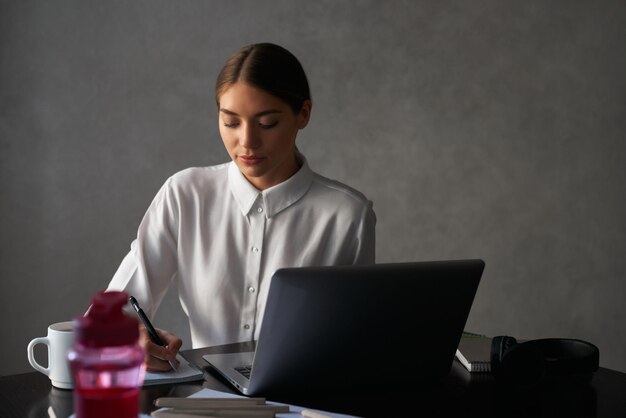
[(529, 362)]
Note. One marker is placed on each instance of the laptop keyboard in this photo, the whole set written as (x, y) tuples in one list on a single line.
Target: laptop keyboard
[(244, 370)]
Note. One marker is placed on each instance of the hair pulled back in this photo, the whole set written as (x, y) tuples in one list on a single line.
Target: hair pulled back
[(269, 67)]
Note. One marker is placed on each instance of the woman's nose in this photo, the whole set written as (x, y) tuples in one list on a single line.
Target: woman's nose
[(248, 137)]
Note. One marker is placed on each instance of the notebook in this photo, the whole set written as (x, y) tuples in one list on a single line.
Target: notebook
[(349, 327), (474, 352), (186, 372)]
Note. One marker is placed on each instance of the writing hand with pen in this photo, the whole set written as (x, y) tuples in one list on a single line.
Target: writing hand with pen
[(161, 346)]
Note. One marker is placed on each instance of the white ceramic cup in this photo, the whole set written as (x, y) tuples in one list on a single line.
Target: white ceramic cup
[(59, 341)]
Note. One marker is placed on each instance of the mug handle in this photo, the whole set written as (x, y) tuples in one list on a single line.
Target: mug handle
[(31, 356)]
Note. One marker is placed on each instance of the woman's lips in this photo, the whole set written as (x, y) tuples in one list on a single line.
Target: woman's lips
[(250, 159)]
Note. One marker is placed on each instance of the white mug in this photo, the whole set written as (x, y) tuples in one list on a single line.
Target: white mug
[(59, 341)]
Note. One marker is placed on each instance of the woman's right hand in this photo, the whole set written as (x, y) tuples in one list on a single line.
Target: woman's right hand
[(157, 357)]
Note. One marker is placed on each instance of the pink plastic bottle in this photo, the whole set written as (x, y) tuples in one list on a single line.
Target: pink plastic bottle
[(107, 361)]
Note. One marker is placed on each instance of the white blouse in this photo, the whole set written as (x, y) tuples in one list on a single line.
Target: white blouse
[(220, 240)]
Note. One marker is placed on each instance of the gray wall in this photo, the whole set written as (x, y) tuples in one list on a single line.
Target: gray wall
[(490, 129)]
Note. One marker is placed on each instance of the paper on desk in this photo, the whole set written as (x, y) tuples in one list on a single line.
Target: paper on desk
[(294, 410), (185, 373)]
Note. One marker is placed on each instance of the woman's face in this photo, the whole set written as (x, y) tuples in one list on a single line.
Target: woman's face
[(259, 132)]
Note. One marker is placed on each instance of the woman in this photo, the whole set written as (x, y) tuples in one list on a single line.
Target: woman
[(220, 232)]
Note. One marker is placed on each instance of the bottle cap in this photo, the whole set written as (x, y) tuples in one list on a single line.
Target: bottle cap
[(106, 324)]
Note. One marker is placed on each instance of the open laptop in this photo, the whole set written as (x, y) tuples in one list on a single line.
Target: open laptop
[(347, 327)]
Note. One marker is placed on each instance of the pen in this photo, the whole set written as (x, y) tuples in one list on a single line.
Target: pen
[(153, 334)]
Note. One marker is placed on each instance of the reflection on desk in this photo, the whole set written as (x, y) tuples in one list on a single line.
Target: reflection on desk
[(460, 393)]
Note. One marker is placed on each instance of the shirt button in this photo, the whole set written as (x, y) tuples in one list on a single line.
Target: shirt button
[(251, 289), (246, 326), (259, 210), (255, 249)]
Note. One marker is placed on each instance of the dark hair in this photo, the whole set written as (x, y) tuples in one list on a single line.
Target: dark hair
[(269, 67)]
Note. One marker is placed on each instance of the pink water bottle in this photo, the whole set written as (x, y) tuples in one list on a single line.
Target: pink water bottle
[(107, 361)]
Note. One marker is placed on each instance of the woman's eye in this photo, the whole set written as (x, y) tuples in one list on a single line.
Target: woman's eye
[(231, 124), (268, 125)]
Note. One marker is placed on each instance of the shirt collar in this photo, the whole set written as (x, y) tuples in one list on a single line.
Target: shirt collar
[(276, 198)]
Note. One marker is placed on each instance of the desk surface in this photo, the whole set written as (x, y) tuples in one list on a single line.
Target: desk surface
[(31, 395)]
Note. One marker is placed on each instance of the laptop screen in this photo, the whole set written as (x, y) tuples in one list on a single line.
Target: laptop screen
[(352, 326)]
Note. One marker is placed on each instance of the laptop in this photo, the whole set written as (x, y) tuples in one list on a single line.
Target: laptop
[(351, 327)]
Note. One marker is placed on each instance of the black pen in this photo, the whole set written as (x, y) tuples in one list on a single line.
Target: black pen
[(153, 334)]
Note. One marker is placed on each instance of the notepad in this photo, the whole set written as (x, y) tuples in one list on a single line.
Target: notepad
[(185, 373), (474, 352)]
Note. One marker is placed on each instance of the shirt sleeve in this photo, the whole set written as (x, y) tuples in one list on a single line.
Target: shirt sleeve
[(148, 269), (365, 239)]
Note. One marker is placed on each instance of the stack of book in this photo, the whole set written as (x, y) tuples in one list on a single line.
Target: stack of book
[(212, 403)]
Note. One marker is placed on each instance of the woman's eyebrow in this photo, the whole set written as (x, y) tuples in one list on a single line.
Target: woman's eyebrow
[(263, 113)]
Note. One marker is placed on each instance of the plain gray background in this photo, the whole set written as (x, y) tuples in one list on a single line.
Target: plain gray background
[(491, 129)]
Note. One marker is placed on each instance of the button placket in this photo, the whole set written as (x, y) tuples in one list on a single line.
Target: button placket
[(253, 269)]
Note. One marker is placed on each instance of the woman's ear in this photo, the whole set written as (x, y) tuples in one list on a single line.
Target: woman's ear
[(305, 114)]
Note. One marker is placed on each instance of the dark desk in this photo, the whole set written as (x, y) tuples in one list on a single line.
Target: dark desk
[(30, 395)]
